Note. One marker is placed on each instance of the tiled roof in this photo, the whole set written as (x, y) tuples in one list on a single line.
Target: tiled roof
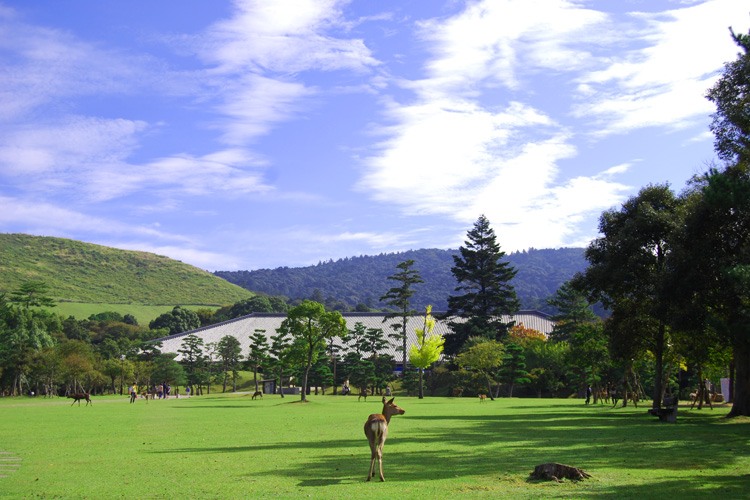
[(243, 327)]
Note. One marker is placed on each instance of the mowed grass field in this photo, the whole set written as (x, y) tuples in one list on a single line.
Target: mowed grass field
[(231, 447)]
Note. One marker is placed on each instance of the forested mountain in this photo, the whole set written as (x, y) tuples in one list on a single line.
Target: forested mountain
[(363, 279)]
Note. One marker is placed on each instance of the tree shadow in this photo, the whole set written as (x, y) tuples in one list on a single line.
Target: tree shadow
[(433, 447)]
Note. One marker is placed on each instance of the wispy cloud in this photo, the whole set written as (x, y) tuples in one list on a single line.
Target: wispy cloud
[(675, 56), (450, 153)]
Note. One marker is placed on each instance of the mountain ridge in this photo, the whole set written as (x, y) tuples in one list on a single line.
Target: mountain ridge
[(363, 279)]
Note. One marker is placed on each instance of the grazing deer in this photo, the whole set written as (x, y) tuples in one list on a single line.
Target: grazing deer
[(376, 430), (483, 398), (78, 397), (256, 394), (363, 394)]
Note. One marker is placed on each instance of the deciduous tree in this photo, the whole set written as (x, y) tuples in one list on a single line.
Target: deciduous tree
[(427, 349), (312, 325), (628, 264)]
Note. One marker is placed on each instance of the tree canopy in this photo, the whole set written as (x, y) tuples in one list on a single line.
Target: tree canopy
[(484, 289)]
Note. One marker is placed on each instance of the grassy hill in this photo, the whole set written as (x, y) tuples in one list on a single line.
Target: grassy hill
[(82, 272)]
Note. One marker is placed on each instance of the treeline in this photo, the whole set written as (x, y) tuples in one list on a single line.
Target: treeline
[(45, 353), (363, 280)]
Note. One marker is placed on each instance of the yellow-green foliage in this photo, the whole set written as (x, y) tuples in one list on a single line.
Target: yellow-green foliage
[(83, 272), (429, 346)]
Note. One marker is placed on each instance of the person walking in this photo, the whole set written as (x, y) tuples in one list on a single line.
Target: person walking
[(588, 394), (132, 391)]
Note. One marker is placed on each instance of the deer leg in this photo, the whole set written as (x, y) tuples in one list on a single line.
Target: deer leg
[(373, 457), (380, 460)]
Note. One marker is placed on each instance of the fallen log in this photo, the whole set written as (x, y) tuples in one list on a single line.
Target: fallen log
[(557, 472)]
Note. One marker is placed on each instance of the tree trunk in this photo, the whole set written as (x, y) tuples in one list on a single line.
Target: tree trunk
[(403, 332), (741, 393), (489, 388), (307, 372), (658, 366), (335, 383), (421, 385)]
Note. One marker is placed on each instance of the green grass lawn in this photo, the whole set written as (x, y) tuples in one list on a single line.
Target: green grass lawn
[(143, 313), (229, 446)]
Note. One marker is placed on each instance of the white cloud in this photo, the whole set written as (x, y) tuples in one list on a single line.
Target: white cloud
[(662, 80), (459, 157), (253, 104), (38, 217), (90, 156), (496, 40), (284, 37)]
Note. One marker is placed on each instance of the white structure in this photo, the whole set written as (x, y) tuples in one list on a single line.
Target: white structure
[(243, 327)]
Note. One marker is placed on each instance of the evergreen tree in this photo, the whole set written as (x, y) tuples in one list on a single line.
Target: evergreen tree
[(398, 297), (513, 371), (230, 352), (485, 293), (32, 293), (258, 355), (574, 311), (192, 356), (279, 362)]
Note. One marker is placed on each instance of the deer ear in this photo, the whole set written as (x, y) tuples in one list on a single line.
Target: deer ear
[(391, 401), (383, 399)]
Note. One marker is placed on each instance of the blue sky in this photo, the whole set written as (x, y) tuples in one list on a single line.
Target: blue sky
[(254, 134)]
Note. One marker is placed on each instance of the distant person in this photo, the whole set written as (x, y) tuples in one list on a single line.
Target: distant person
[(187, 391), (388, 391), (613, 394), (588, 394), (707, 393), (132, 391)]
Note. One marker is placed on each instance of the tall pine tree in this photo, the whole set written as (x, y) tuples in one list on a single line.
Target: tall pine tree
[(398, 297), (485, 293)]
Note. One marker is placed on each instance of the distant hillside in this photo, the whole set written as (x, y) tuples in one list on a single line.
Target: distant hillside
[(363, 279), (83, 272)]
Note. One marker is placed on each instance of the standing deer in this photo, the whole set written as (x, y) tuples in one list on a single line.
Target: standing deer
[(376, 430)]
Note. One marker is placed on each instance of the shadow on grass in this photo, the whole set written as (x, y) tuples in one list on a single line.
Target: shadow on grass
[(603, 441), (722, 487)]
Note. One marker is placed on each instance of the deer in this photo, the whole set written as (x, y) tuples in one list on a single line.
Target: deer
[(483, 398), (376, 430), (256, 394), (77, 397), (363, 394)]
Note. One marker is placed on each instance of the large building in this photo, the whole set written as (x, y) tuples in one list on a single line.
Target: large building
[(242, 328)]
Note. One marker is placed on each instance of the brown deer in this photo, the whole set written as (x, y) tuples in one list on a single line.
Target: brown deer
[(376, 430), (483, 398), (363, 394), (256, 394), (78, 397)]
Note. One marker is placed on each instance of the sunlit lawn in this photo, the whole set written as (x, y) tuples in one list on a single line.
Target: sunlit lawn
[(227, 447)]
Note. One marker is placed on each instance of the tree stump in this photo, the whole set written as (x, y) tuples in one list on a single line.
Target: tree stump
[(558, 472)]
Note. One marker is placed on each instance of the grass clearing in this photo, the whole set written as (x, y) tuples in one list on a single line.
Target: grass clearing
[(228, 446), (144, 313)]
